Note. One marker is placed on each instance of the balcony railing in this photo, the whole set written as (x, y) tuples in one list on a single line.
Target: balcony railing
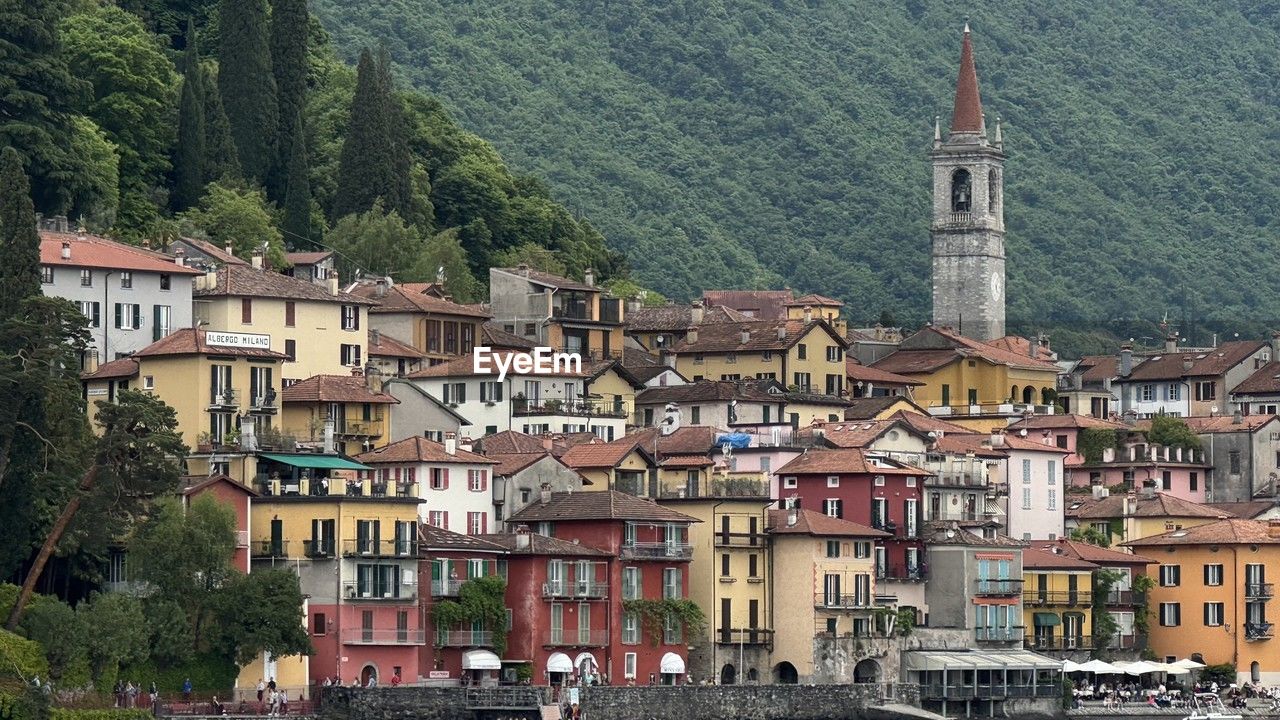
[(591, 590), (842, 602), (361, 428), (379, 592), (1001, 409), (742, 540), (1258, 631), (577, 638), (464, 638), (267, 401), (224, 398), (269, 549), (744, 636), (998, 634), (1123, 642), (448, 587), (902, 573), (318, 548), (1002, 586), (379, 548), (957, 479), (1057, 597), (657, 551), (1124, 597), (383, 636), (1259, 591), (1064, 644), (605, 408)]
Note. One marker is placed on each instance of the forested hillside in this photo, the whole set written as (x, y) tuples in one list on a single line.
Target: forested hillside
[(770, 142)]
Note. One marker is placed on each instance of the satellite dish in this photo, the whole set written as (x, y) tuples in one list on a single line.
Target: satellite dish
[(1022, 432)]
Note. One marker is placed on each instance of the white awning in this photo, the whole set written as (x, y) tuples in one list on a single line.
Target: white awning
[(672, 664), (1189, 664), (559, 662), (924, 660), (1100, 667), (589, 660), (480, 660)]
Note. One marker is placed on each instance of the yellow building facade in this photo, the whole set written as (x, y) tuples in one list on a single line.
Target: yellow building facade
[(1057, 601), (353, 406), (798, 354)]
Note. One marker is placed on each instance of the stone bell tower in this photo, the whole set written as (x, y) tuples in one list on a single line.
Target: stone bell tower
[(968, 214)]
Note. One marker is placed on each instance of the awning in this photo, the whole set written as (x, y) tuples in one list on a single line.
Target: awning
[(321, 462), (926, 660), (559, 662), (1099, 667), (672, 664), (1045, 619), (589, 660), (480, 660), (1189, 664)]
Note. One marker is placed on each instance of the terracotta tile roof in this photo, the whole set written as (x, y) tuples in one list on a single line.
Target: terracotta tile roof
[(687, 440), (845, 461), (1249, 510), (814, 300), (492, 335), (635, 357), (193, 484), (762, 335), (189, 341), (510, 441), (387, 346), (1161, 505), (464, 366), (511, 463), (685, 461), (1099, 367), (1264, 380), (435, 538), (91, 251), (916, 361), (598, 505), (927, 423), (966, 114), (307, 258), (854, 434), (547, 279), (1034, 558), (122, 368), (1171, 366), (598, 454), (645, 373), (1229, 531), (401, 298), (418, 449), (1096, 554), (1227, 423), (935, 347), (1065, 422), (334, 388), (954, 533), (811, 522), (1013, 442), (867, 408), (543, 545), (704, 391), (958, 444), (1022, 346), (678, 318), (248, 281), (213, 251), (857, 372), (761, 304)]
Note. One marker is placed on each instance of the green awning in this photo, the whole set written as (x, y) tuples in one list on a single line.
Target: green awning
[(316, 462), (1046, 619)]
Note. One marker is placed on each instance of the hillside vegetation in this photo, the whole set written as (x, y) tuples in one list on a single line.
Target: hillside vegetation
[(784, 142)]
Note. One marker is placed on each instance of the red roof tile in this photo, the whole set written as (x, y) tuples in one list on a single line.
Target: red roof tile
[(1172, 366), (418, 449), (1161, 505), (464, 366), (512, 463), (333, 388), (387, 346), (1264, 380), (814, 300), (307, 258), (927, 423), (213, 251), (966, 115), (248, 281), (1230, 531), (436, 538), (761, 335), (495, 337), (598, 454), (936, 347), (760, 304), (401, 298), (845, 461), (91, 251), (598, 505), (1033, 558), (685, 461), (857, 372), (678, 318), (548, 279), (543, 545), (1022, 346), (122, 368), (1065, 422), (811, 522), (1227, 423), (189, 341), (1097, 554)]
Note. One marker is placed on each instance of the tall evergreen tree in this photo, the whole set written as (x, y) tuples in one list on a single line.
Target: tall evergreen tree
[(297, 198), (189, 155), (289, 30), (247, 85), (19, 240), (374, 163), (220, 159)]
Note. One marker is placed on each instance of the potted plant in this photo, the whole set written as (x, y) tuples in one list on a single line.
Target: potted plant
[(519, 403), (204, 442), (553, 406)]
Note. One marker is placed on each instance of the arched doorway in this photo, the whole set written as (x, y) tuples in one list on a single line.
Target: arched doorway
[(784, 673), (753, 676), (866, 671), (1046, 396), (1013, 394), (1255, 672), (1028, 395), (728, 675), (369, 672)]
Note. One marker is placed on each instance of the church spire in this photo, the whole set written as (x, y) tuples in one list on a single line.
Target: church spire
[(966, 117)]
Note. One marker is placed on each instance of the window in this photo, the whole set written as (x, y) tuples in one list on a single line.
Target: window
[(91, 311), (128, 316), (318, 624), (672, 587), (753, 566), (833, 549), (246, 310), (731, 358), (149, 382), (161, 321), (630, 583), (834, 353), (1212, 614), (439, 478), (456, 394), (291, 349), (802, 380), (1193, 481), (86, 278), (476, 524), (833, 481), (1026, 472), (1166, 480), (166, 281), (1053, 498), (126, 280), (1234, 458), (1207, 390), (766, 356), (1213, 575), (349, 355), (629, 666), (835, 385), (1175, 391), (672, 630), (1147, 393), (695, 415), (631, 632), (1026, 498), (879, 513), (697, 359), (290, 313), (46, 274), (802, 351), (490, 391), (1061, 441), (910, 512), (961, 192), (350, 317), (477, 480), (1170, 575), (861, 549), (789, 481), (1053, 472)]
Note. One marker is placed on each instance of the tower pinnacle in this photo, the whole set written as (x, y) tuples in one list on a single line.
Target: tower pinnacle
[(966, 117)]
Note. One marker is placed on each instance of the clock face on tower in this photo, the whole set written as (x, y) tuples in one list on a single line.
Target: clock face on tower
[(997, 286)]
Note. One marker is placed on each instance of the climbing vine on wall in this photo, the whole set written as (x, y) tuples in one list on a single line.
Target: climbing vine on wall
[(654, 615), (481, 599)]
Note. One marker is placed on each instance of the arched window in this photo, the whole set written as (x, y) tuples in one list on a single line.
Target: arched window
[(1028, 395), (993, 191), (1013, 394), (961, 191)]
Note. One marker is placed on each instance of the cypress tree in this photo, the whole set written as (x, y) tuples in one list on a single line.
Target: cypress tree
[(297, 198), (19, 239), (289, 28), (189, 155), (247, 85), (375, 162), (220, 150)]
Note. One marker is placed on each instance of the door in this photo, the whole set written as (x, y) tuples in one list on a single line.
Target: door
[(726, 620), (753, 618), (366, 625), (582, 578), (584, 623), (555, 577), (1042, 588), (277, 538), (1071, 635)]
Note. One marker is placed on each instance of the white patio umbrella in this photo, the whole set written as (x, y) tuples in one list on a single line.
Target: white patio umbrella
[(1173, 669), (1139, 667), (1099, 667), (1070, 667), (1188, 664)]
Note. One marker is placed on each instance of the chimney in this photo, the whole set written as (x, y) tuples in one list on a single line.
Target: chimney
[(1130, 503), (467, 443), (1171, 343), (522, 537), (332, 282), (1033, 347), (782, 333), (1273, 528), (548, 441), (257, 258), (1148, 489), (633, 305), (375, 338), (746, 337), (1187, 363), (792, 516), (60, 223), (589, 277), (328, 436), (691, 336), (66, 250), (228, 249), (544, 493), (1126, 359), (1237, 418), (179, 258), (667, 359), (808, 314), (1275, 345), (373, 378), (523, 269), (209, 280), (997, 439), (695, 313), (451, 443), (380, 288)]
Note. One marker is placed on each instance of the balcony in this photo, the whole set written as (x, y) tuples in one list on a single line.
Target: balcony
[(998, 634), (224, 399), (1000, 587), (826, 601), (1258, 631), (957, 479), (611, 406), (1123, 642), (405, 548), (1124, 598), (657, 551), (318, 548), (361, 428), (464, 638), (985, 690), (358, 636), (569, 638), (744, 636), (265, 403), (1064, 598), (269, 549), (446, 588), (740, 540), (902, 573), (991, 410), (380, 592), (1059, 644), (566, 590), (1259, 591)]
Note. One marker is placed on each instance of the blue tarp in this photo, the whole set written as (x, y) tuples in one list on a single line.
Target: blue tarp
[(735, 440)]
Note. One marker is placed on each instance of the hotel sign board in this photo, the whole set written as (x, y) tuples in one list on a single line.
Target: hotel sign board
[(238, 340)]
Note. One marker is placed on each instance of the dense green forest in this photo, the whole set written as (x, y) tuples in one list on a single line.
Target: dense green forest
[(774, 142)]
